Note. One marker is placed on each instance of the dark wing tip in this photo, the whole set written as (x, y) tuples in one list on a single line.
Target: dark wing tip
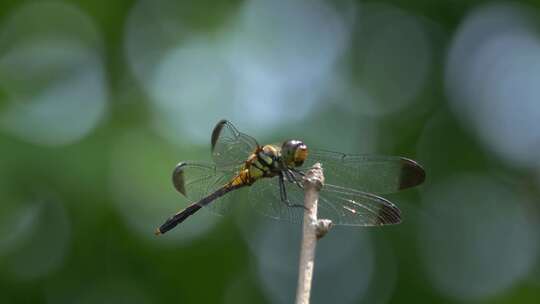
[(389, 215), (217, 131), (412, 174), (178, 178)]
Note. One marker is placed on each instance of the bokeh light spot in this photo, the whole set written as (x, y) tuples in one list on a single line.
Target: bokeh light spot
[(492, 76), (391, 62), (475, 237), (51, 74), (271, 61)]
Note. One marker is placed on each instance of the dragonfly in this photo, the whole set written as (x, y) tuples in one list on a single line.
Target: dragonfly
[(272, 176)]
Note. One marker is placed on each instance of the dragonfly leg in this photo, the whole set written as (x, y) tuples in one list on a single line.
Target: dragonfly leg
[(298, 171), (293, 179), (283, 194), (286, 176)]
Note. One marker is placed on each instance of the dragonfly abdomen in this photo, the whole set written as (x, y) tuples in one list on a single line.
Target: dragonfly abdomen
[(182, 215)]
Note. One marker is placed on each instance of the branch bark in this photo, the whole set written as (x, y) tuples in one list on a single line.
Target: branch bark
[(313, 230)]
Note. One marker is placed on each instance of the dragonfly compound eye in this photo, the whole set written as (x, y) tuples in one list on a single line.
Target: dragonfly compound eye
[(294, 152)]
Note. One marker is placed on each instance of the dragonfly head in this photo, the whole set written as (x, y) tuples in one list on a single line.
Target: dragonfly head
[(294, 152)]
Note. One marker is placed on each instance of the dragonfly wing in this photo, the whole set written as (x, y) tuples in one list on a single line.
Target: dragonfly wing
[(264, 197), (355, 208), (195, 180), (341, 205), (368, 173), (230, 147)]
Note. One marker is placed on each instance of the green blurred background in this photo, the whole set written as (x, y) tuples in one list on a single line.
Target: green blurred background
[(100, 99)]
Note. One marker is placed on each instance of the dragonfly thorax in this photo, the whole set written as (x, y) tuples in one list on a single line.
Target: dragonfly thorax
[(263, 162), (269, 157), (270, 160)]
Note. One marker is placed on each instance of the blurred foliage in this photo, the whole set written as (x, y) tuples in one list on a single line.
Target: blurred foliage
[(71, 222)]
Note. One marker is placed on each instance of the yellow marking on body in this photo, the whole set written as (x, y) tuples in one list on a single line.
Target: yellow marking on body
[(270, 149), (255, 172), (242, 178), (252, 157), (253, 169), (267, 159)]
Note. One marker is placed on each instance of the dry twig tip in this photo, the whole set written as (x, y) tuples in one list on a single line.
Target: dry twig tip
[(313, 229)]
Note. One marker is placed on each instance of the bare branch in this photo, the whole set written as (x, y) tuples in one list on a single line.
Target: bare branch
[(313, 230)]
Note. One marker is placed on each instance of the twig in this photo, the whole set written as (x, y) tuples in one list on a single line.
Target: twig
[(313, 230)]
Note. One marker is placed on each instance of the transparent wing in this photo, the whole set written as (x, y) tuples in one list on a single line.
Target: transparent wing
[(355, 208), (195, 180), (265, 199), (230, 147), (341, 205), (367, 173)]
